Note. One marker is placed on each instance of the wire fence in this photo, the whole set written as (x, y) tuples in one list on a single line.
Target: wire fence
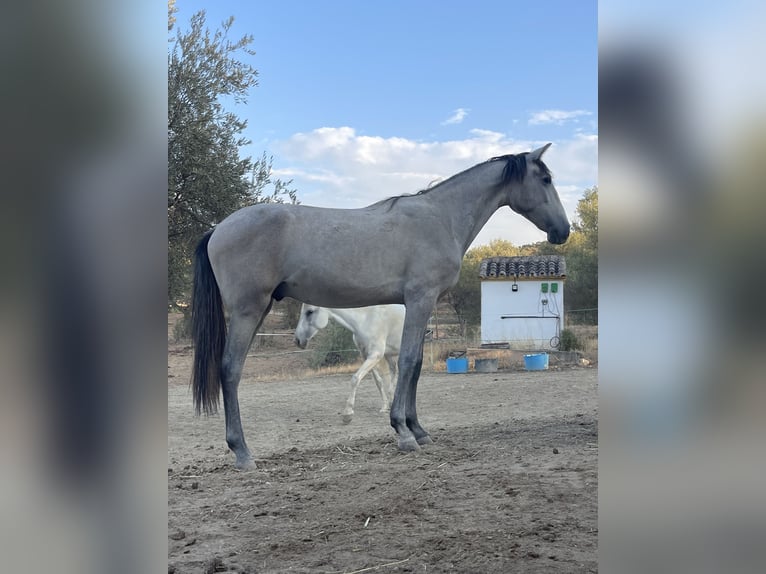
[(441, 339), (261, 349), (581, 316)]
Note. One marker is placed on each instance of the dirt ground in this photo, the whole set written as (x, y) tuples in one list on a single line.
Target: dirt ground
[(509, 485)]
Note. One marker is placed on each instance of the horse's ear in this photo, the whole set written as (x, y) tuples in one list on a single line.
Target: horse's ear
[(537, 154)]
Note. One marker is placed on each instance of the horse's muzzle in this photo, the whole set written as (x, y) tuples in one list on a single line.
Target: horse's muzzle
[(558, 236), (299, 343)]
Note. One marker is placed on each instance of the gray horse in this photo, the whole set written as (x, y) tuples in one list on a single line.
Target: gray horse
[(406, 249)]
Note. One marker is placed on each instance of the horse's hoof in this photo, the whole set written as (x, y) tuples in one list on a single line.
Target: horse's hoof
[(245, 464), (408, 444), (346, 418), (425, 439)]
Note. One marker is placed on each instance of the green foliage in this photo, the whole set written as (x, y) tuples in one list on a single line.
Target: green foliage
[(496, 248), (568, 341), (580, 251), (582, 255), (587, 212), (207, 178), (171, 14), (333, 345), (465, 296)]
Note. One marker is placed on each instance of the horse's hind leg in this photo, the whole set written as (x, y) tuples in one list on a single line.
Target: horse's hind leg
[(242, 329)]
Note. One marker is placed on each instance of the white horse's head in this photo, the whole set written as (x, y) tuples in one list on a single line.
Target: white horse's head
[(536, 198), (312, 320)]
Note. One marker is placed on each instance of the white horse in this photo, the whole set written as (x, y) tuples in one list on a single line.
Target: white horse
[(377, 332)]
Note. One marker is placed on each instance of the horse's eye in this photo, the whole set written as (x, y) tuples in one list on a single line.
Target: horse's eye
[(547, 180), (309, 312)]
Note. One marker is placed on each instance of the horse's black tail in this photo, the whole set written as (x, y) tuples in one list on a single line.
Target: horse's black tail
[(208, 333)]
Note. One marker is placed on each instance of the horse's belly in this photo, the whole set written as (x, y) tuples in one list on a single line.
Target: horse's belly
[(340, 289)]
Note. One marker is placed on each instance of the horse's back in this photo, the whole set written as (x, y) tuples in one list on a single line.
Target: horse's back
[(378, 325), (263, 219)]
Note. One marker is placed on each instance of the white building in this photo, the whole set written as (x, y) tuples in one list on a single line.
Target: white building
[(522, 301)]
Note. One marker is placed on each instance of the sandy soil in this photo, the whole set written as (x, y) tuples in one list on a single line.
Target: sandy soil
[(510, 484)]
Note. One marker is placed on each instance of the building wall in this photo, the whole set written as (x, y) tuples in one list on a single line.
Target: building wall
[(521, 317)]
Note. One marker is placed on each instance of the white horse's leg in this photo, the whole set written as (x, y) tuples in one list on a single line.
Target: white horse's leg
[(384, 388), (369, 362)]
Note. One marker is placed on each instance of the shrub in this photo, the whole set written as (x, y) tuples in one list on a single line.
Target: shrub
[(333, 345), (568, 341)]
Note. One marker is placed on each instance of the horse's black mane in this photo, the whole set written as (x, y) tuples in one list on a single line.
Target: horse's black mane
[(516, 167), (515, 170)]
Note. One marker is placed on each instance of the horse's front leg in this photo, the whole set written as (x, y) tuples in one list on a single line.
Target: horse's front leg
[(391, 361), (369, 363), (404, 418), (384, 388)]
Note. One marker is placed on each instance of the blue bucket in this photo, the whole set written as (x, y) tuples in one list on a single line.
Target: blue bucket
[(536, 362), (459, 365)]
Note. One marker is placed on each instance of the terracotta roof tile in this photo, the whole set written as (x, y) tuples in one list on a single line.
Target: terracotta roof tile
[(524, 266)]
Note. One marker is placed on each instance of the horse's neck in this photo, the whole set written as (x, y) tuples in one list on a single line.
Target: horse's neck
[(469, 199), (346, 317)]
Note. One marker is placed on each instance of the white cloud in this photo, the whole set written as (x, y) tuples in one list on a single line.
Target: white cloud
[(488, 135), (318, 175), (557, 117), (457, 116), (336, 167), (574, 160)]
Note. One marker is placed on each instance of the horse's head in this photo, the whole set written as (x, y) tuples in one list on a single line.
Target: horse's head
[(312, 319), (535, 197)]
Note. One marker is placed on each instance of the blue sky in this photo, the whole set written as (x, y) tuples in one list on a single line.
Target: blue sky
[(358, 101)]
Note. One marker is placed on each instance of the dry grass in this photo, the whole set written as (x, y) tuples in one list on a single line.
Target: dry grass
[(436, 353), (277, 358), (588, 337)]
